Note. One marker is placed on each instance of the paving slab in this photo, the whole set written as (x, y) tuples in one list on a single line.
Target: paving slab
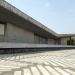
[(60, 62)]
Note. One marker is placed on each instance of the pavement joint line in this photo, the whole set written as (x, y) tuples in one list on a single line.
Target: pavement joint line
[(43, 59), (70, 71), (52, 70), (43, 70), (61, 71), (35, 70)]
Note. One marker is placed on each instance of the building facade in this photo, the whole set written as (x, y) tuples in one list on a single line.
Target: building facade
[(16, 26)]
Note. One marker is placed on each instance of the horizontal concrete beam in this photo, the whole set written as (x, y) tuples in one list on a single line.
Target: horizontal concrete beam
[(21, 47)]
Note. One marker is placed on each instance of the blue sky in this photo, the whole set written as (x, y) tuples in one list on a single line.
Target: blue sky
[(58, 15)]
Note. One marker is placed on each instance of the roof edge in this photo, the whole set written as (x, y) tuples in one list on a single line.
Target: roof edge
[(13, 9)]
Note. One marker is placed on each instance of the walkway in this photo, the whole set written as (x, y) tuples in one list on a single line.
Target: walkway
[(44, 63)]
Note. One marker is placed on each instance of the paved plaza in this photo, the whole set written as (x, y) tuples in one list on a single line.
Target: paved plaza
[(43, 63)]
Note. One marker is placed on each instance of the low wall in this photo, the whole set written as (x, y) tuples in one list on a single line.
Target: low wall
[(21, 48)]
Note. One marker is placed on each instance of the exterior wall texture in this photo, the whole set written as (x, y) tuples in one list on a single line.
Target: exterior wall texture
[(64, 41), (1, 29), (40, 40), (13, 33), (17, 34), (51, 41)]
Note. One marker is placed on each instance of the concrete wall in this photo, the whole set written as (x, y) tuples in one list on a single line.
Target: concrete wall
[(64, 41), (36, 39), (43, 40), (40, 40), (1, 29), (17, 34), (51, 41), (13, 33)]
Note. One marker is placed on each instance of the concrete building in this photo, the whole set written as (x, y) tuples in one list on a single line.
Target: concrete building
[(16, 26)]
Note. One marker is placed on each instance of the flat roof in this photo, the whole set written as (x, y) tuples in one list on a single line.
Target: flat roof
[(66, 35), (11, 14)]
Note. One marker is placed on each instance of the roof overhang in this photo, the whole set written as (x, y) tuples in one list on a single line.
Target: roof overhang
[(66, 35), (11, 14)]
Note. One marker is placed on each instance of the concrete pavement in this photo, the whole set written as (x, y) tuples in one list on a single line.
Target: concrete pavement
[(44, 63)]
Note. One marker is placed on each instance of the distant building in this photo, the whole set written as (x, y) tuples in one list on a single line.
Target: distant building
[(16, 26)]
